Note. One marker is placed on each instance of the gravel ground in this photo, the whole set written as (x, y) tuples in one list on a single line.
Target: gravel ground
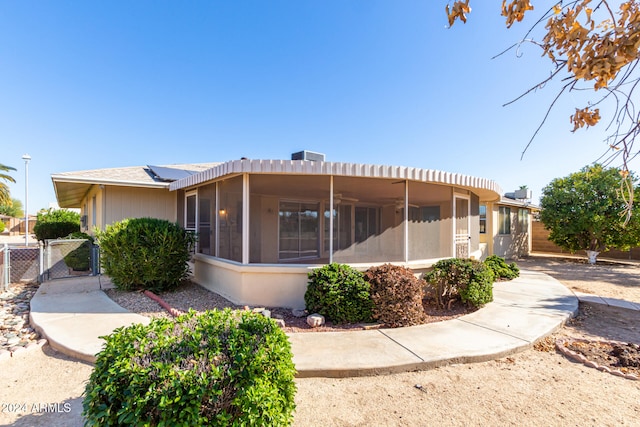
[(532, 388), (192, 296)]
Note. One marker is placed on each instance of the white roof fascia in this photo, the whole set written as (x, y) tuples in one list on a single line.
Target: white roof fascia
[(78, 180), (306, 167)]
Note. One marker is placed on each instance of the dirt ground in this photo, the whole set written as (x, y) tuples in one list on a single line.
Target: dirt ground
[(530, 388)]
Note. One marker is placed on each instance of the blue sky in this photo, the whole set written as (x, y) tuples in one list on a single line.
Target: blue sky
[(87, 85)]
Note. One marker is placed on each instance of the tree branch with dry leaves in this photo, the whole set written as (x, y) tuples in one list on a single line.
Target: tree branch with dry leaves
[(592, 47)]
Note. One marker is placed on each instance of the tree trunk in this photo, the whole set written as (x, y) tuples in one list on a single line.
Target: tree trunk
[(592, 255)]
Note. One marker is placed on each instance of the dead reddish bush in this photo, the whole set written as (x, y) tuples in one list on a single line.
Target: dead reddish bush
[(396, 294)]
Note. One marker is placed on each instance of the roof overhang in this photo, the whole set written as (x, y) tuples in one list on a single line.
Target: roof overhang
[(71, 191), (486, 189), (518, 203)]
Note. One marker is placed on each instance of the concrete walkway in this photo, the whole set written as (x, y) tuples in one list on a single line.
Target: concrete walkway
[(73, 313)]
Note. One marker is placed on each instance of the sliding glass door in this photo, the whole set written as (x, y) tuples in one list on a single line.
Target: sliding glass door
[(298, 230)]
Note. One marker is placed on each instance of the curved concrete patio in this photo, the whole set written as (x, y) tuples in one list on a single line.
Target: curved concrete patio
[(73, 313)]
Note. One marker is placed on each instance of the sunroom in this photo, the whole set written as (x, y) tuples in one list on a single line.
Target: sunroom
[(262, 225)]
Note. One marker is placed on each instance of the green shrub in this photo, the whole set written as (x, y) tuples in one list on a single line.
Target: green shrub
[(145, 253), (218, 368), (54, 224), (502, 270), (2, 226), (339, 293), (396, 294), (468, 279), (79, 259)]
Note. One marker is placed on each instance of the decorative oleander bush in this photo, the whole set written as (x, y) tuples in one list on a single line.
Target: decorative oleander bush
[(467, 279), (340, 293), (145, 253), (500, 268), (219, 368), (396, 294), (56, 223), (79, 259)]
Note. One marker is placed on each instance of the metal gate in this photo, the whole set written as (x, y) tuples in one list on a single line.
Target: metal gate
[(69, 258)]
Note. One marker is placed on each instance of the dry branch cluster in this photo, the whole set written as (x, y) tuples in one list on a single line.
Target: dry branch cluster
[(592, 44)]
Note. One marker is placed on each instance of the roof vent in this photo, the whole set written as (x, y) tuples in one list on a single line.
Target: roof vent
[(308, 155), (522, 194)]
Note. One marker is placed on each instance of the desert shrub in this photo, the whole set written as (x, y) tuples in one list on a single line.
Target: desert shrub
[(56, 223), (396, 294), (79, 259), (468, 279), (218, 368), (339, 293), (500, 268), (145, 253)]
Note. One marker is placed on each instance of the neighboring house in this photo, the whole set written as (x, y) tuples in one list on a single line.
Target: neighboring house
[(105, 196), (263, 225), (505, 225)]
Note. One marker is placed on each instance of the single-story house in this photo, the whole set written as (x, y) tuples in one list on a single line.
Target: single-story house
[(262, 225)]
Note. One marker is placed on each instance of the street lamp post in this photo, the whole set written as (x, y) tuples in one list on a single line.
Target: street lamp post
[(26, 159)]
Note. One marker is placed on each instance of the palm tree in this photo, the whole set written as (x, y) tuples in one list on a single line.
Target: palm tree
[(5, 196)]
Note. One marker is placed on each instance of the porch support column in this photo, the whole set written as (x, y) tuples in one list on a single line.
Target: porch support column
[(245, 218), (330, 219), (216, 243), (406, 221)]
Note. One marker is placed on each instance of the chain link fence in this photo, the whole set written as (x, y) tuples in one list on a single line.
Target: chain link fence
[(55, 260), (23, 264)]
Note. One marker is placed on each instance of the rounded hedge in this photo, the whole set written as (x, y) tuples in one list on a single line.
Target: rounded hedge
[(217, 368), (468, 279), (145, 253), (56, 223), (340, 293), (396, 294), (501, 269), (79, 258)]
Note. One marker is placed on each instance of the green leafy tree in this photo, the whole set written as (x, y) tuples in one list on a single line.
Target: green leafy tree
[(12, 209), (56, 223), (584, 211), (5, 195)]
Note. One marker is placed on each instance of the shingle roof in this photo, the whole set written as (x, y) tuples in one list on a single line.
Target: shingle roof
[(70, 187)]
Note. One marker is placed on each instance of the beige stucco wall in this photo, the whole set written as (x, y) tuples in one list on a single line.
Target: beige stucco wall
[(127, 202), (513, 245), (280, 285), (115, 203)]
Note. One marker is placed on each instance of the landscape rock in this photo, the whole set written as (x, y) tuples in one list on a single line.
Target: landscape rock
[(15, 332), (315, 320)]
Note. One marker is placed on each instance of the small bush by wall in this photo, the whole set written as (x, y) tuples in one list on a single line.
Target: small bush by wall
[(500, 268), (79, 259), (396, 294), (145, 253), (219, 368), (340, 293), (468, 279)]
